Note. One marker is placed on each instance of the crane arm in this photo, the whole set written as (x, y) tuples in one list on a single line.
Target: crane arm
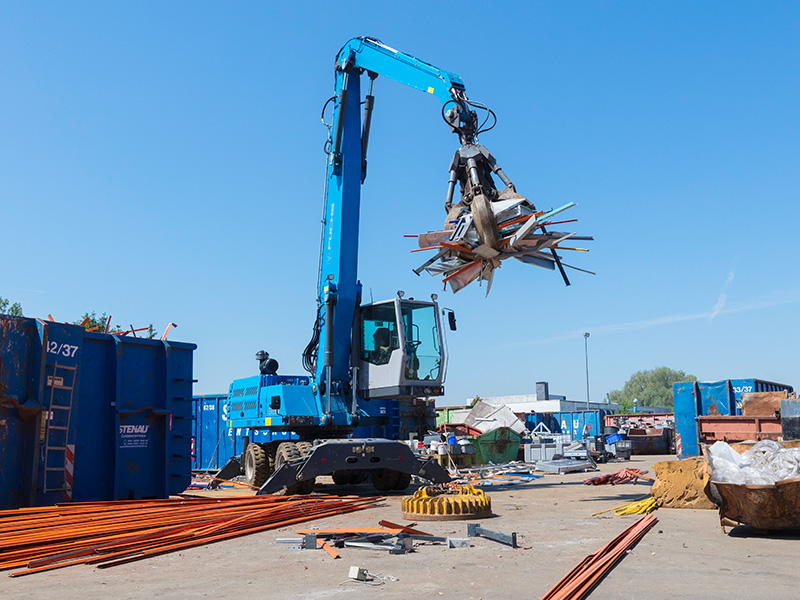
[(372, 55)]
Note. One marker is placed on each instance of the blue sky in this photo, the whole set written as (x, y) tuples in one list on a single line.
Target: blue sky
[(164, 163)]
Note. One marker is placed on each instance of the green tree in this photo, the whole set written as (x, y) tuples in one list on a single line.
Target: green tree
[(6, 308), (651, 388), (93, 321)]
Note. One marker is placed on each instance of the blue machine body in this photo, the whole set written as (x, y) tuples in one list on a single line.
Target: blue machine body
[(89, 416), (331, 400), (214, 442), (693, 399)]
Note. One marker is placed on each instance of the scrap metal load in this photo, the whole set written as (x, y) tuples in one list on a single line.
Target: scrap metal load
[(485, 227)]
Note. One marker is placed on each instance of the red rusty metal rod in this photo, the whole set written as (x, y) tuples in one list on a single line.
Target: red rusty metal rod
[(588, 573)]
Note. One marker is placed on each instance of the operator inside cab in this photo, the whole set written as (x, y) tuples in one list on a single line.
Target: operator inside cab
[(383, 346)]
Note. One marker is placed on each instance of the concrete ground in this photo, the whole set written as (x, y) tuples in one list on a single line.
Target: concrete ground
[(684, 556)]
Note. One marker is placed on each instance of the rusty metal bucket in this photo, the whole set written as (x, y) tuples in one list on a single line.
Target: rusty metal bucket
[(766, 507)]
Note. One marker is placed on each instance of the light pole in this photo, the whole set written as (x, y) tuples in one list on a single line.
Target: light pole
[(586, 352)]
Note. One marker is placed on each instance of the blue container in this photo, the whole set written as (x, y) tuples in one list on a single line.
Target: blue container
[(613, 438), (214, 442), (582, 424), (89, 416), (532, 420), (694, 399)]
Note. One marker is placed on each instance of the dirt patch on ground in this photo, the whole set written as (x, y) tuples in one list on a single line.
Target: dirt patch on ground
[(681, 484)]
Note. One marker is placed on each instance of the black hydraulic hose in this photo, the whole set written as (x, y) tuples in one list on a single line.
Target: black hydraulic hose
[(339, 125)]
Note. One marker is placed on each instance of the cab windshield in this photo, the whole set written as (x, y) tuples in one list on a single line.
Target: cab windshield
[(422, 341)]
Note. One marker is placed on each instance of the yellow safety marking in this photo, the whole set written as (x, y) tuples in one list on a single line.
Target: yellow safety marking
[(430, 90), (267, 421)]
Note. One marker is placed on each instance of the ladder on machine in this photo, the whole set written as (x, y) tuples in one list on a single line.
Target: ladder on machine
[(56, 435)]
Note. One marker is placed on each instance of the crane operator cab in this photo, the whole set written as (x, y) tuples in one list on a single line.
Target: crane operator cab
[(401, 349)]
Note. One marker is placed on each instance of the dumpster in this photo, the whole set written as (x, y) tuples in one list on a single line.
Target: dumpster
[(738, 429), (89, 417), (767, 507), (583, 424), (214, 442), (694, 399), (650, 440), (497, 446)]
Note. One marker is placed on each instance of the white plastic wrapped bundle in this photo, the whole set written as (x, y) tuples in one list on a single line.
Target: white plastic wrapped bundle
[(726, 471), (754, 476), (764, 464)]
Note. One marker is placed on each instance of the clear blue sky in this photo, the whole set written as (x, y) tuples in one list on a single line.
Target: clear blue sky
[(164, 163)]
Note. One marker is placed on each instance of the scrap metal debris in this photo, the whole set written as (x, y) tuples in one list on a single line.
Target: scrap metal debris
[(486, 227), (107, 534), (475, 530), (617, 477), (391, 537), (580, 581), (513, 473)]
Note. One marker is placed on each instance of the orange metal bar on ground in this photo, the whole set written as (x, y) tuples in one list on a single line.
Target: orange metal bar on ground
[(112, 533), (327, 547)]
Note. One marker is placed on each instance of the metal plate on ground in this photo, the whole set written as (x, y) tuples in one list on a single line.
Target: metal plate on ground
[(563, 466)]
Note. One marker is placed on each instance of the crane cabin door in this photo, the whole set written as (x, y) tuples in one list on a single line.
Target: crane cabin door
[(401, 352)]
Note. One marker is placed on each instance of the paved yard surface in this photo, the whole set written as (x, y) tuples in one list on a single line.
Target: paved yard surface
[(684, 556)]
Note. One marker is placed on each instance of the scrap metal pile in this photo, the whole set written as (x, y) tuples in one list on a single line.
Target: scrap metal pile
[(107, 534), (486, 227), (618, 477)]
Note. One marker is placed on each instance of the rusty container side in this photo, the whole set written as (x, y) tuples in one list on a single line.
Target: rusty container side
[(768, 507), (738, 429), (21, 409), (650, 441)]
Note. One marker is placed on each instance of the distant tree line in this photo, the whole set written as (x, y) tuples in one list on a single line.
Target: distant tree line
[(649, 388)]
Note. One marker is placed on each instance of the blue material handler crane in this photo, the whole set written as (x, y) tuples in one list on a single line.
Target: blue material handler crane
[(359, 353)]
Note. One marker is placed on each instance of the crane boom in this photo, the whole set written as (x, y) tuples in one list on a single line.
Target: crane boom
[(339, 289)]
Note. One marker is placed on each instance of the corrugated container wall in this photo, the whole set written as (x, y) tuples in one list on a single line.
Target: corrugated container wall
[(578, 425), (693, 399), (213, 441), (90, 417)]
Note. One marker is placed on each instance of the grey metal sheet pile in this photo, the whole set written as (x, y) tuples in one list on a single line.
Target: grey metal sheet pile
[(483, 233)]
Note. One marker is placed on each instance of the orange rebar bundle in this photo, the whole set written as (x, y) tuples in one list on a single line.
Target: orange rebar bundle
[(579, 582), (107, 534)]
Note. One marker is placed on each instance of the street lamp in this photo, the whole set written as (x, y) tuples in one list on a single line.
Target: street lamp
[(586, 352)]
